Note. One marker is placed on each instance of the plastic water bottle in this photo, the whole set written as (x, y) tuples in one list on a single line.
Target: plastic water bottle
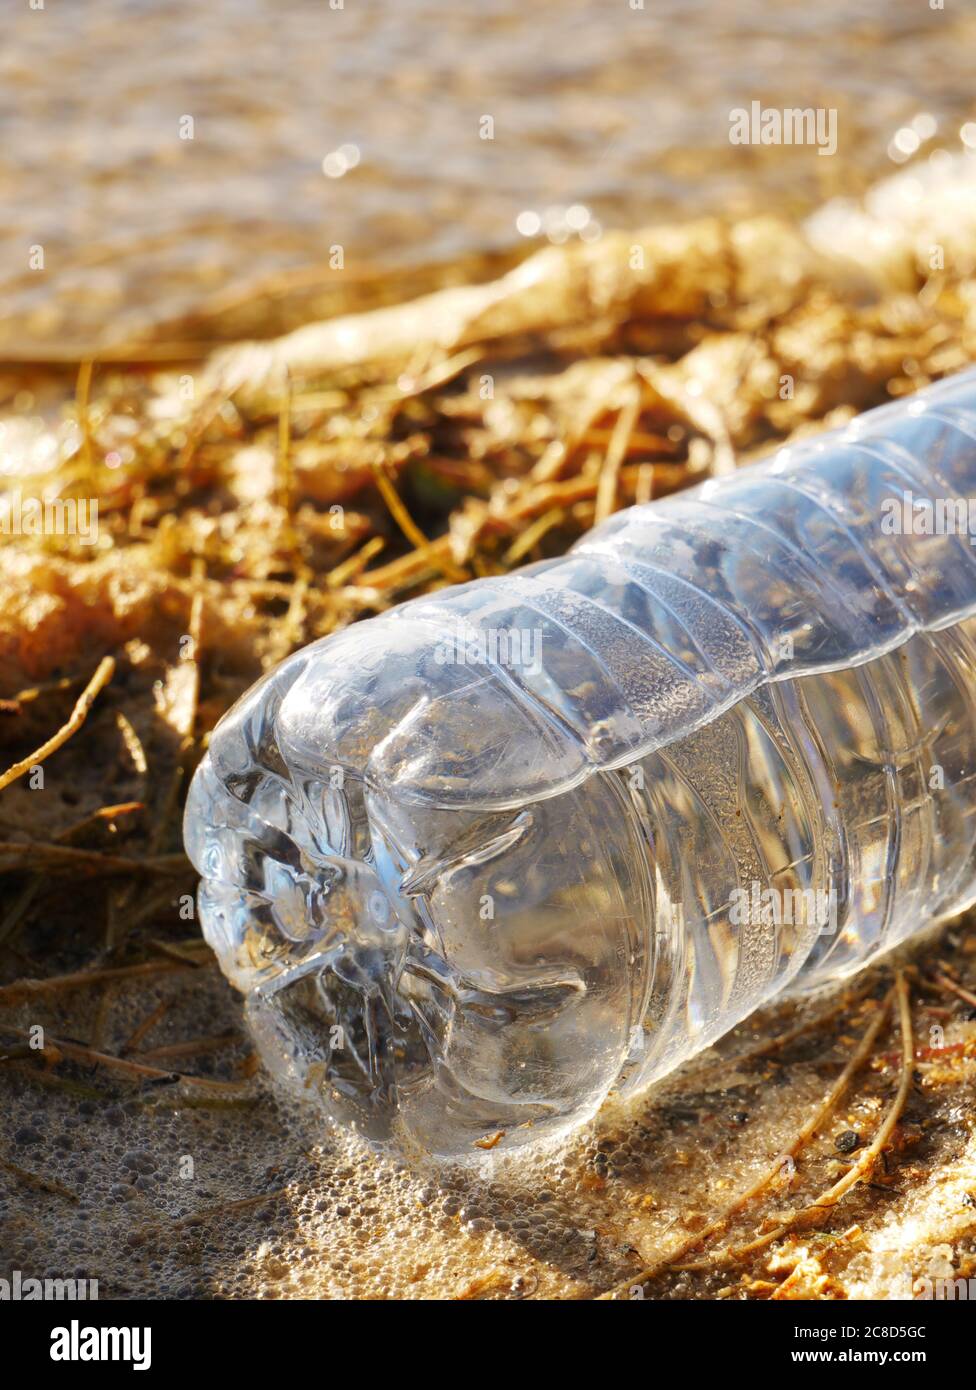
[(484, 859)]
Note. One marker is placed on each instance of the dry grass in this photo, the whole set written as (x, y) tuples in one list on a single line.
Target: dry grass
[(286, 490)]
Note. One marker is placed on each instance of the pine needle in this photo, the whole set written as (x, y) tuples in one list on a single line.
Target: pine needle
[(140, 1071), (191, 1048), (103, 674), (36, 1180), (812, 1125), (55, 858), (958, 990), (21, 990), (355, 564), (409, 527), (531, 537), (145, 1027), (606, 496), (865, 1164)]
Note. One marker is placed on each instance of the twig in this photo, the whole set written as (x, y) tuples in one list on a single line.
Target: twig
[(192, 1048), (533, 534), (82, 979), (807, 1025), (104, 813), (53, 857), (54, 1082), (188, 731), (101, 678), (177, 953), (35, 1180), (145, 1027), (355, 564), (951, 985), (225, 1208), (142, 1071), (811, 1126), (865, 1163), (34, 692), (133, 744), (19, 907), (606, 495), (410, 528)]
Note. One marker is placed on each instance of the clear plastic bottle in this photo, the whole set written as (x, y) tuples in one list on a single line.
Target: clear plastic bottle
[(481, 860)]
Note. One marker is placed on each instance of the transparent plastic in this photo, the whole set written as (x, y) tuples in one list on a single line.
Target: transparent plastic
[(479, 861)]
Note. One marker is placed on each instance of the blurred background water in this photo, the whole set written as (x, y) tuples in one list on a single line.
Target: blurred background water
[(361, 127)]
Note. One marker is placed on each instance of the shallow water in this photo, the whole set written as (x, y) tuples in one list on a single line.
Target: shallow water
[(623, 112)]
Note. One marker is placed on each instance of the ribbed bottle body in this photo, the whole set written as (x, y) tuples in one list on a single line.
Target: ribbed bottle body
[(480, 860), (818, 823)]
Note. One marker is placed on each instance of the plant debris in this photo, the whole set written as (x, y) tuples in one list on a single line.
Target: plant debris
[(282, 490)]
